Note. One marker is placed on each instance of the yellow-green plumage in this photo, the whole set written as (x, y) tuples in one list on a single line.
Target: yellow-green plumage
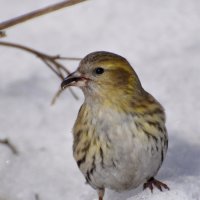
[(120, 139)]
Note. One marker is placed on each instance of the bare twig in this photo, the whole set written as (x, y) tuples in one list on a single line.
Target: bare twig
[(2, 34), (66, 58), (58, 93), (56, 96), (37, 13), (9, 145), (51, 61)]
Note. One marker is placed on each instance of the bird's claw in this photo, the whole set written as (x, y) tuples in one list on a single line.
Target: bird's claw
[(153, 182)]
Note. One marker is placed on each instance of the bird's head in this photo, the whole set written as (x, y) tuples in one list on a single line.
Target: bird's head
[(104, 75)]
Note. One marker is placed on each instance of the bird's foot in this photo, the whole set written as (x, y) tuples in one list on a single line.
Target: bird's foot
[(153, 182)]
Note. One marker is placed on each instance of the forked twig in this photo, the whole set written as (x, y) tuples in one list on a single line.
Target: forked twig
[(51, 61)]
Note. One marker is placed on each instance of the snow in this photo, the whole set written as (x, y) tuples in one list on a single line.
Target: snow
[(160, 38)]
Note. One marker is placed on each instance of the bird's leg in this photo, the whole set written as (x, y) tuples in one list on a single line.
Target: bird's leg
[(101, 193), (153, 182)]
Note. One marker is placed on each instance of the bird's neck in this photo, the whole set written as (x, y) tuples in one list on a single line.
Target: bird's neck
[(120, 101)]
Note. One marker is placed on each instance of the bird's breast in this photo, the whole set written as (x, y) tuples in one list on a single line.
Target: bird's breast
[(111, 151)]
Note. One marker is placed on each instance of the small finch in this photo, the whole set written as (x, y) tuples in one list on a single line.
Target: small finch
[(120, 139)]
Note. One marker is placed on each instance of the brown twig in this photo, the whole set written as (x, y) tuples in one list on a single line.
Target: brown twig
[(51, 61), (37, 13), (2, 34), (9, 145)]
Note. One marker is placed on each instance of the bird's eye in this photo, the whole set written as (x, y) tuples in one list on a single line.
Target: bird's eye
[(99, 70)]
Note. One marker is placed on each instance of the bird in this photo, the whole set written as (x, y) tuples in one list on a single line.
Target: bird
[(119, 137)]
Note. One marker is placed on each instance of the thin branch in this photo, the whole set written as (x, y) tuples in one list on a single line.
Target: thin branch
[(37, 13), (2, 34), (67, 58), (38, 53), (50, 61), (60, 66), (52, 68), (58, 93), (9, 145), (73, 93)]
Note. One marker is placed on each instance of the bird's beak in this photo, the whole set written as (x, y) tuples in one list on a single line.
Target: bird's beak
[(74, 79)]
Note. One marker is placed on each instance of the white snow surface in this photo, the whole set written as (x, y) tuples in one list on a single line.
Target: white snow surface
[(161, 39)]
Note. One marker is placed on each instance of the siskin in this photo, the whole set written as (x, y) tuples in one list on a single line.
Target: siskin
[(120, 139)]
